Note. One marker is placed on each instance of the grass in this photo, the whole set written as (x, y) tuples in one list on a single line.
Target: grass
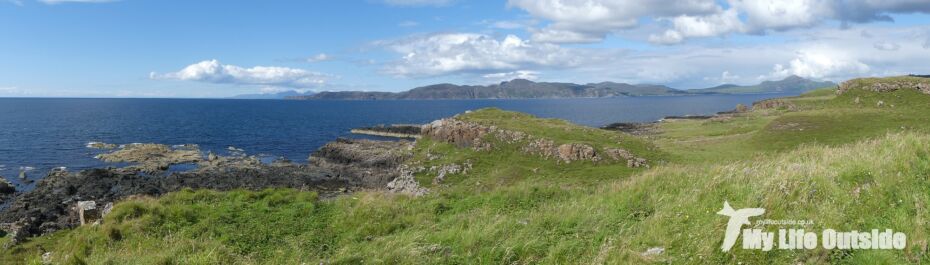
[(843, 165)]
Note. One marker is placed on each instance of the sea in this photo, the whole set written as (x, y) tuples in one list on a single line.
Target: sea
[(39, 134)]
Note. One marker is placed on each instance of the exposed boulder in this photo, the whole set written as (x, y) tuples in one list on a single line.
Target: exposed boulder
[(459, 133), (406, 183), (574, 152), (445, 170), (6, 187)]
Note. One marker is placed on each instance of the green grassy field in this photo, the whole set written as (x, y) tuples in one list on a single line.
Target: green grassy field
[(842, 164)]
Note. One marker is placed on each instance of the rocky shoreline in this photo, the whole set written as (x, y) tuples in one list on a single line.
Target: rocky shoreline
[(339, 167)]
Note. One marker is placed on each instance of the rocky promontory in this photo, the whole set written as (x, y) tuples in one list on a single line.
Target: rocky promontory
[(476, 136), (919, 83)]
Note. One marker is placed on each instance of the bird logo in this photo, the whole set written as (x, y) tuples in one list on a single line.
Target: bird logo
[(738, 218)]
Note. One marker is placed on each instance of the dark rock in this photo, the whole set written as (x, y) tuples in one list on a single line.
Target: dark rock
[(396, 130), (365, 163), (633, 128), (6, 187), (50, 206)]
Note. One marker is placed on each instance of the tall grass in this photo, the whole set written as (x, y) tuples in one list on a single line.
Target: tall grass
[(879, 183)]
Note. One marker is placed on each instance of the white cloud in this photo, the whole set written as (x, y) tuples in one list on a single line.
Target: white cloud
[(700, 26), (507, 76), (781, 15), (552, 35), (454, 53), (820, 63), (418, 2), (927, 41), (585, 21), (322, 57), (212, 71), (591, 20), (887, 46)]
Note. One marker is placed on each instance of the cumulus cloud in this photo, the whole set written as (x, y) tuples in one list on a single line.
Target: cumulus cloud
[(212, 71), (581, 21), (763, 15), (874, 10), (592, 20), (507, 76), (454, 53), (700, 26), (820, 63)]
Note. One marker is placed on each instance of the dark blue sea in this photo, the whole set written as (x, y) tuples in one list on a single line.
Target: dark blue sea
[(37, 135)]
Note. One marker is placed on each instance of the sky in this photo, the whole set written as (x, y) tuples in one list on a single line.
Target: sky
[(214, 48)]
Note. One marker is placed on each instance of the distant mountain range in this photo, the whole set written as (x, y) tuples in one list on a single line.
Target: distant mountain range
[(525, 89), (791, 84), (279, 95)]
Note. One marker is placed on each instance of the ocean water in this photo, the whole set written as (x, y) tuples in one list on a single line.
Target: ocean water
[(37, 135)]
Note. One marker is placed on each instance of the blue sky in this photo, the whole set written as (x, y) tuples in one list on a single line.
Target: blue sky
[(146, 48)]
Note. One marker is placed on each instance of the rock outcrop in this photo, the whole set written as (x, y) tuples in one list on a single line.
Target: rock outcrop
[(479, 137), (459, 133), (776, 104), (395, 130), (886, 84), (648, 128), (6, 187), (101, 145), (153, 158), (365, 163), (406, 183)]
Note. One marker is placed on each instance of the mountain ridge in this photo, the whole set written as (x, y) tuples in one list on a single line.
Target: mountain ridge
[(527, 89)]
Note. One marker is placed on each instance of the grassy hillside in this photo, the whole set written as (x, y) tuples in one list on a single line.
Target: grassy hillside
[(845, 162)]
